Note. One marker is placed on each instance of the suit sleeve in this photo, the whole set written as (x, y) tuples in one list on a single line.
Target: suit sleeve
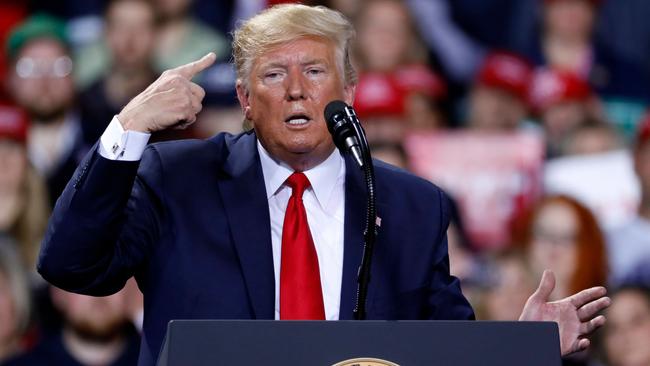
[(104, 224), (446, 301)]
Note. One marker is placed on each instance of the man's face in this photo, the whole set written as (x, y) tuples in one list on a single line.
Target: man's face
[(41, 80), (92, 317), (289, 87), (495, 110), (130, 33)]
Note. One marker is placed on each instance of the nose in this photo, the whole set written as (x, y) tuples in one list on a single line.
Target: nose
[(296, 89)]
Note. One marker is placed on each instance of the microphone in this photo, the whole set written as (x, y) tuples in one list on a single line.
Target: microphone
[(342, 130)]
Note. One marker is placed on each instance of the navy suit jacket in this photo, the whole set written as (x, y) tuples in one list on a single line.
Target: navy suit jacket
[(191, 222)]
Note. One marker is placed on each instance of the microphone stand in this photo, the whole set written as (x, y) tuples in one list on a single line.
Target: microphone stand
[(371, 227)]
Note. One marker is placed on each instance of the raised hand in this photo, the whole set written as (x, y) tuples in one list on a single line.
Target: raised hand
[(576, 315), (173, 100)]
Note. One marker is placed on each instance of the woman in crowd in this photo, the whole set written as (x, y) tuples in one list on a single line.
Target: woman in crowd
[(397, 91), (562, 235), (24, 207), (14, 301)]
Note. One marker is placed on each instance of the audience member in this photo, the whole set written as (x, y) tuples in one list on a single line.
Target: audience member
[(458, 52), (561, 234), (130, 34), (509, 286), (396, 90), (392, 153), (592, 137), (623, 33), (563, 102), (629, 244), (183, 38), (498, 100), (626, 334), (96, 331), (566, 39), (15, 304), (40, 80), (24, 207)]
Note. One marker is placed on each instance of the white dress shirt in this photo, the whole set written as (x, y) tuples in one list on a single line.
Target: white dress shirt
[(324, 203)]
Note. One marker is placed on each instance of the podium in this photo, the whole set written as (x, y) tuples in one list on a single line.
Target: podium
[(405, 343)]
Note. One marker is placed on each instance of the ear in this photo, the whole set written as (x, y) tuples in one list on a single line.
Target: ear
[(348, 93), (242, 96)]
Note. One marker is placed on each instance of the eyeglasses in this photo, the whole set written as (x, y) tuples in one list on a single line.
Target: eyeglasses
[(36, 68), (553, 236)]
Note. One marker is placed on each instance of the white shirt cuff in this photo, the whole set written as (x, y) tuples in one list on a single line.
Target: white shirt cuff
[(118, 144)]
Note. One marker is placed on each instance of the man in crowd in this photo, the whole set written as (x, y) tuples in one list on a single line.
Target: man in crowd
[(130, 35), (96, 331), (629, 243), (266, 224), (498, 98), (40, 81)]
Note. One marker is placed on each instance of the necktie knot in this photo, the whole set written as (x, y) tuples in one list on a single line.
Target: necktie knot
[(298, 183)]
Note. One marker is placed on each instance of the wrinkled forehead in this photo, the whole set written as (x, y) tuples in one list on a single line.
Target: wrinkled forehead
[(304, 50)]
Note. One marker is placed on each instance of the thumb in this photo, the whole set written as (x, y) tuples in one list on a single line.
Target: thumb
[(546, 286)]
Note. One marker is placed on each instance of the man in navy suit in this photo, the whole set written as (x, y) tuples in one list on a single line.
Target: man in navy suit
[(202, 224)]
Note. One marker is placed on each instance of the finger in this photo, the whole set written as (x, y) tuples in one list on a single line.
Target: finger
[(589, 310), (189, 70), (197, 91), (185, 123), (546, 286), (588, 295), (196, 106), (582, 345), (593, 324)]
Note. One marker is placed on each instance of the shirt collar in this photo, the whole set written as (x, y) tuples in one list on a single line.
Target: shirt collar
[(322, 177)]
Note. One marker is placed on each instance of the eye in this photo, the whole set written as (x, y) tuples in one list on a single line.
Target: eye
[(315, 71), (273, 76)]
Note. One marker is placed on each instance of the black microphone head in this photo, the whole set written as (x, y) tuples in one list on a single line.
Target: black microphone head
[(334, 107)]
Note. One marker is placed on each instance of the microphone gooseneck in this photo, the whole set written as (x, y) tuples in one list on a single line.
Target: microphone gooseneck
[(349, 136)]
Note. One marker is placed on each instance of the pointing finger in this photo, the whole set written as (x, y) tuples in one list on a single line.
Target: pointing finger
[(189, 70)]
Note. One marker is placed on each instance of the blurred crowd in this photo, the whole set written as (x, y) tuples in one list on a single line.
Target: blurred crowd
[(531, 114)]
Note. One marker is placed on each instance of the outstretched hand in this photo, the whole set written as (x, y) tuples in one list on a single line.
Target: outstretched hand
[(173, 100), (576, 315)]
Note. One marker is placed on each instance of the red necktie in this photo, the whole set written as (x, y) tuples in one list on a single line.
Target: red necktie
[(301, 297)]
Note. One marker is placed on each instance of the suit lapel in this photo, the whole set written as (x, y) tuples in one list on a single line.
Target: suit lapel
[(355, 209), (244, 197)]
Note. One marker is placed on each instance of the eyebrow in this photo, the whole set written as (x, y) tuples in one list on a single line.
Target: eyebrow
[(283, 65)]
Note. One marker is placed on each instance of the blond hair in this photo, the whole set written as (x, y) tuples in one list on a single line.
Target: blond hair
[(287, 22)]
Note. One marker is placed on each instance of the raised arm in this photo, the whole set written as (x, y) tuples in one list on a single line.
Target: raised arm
[(111, 212)]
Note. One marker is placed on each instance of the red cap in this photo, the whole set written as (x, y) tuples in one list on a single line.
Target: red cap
[(383, 94), (378, 95), (551, 87), (506, 71), (13, 123), (421, 79), (643, 130)]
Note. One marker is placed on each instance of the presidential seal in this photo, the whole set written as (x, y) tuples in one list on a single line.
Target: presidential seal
[(365, 362)]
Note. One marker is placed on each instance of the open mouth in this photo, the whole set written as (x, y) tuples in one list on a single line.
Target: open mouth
[(297, 119)]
